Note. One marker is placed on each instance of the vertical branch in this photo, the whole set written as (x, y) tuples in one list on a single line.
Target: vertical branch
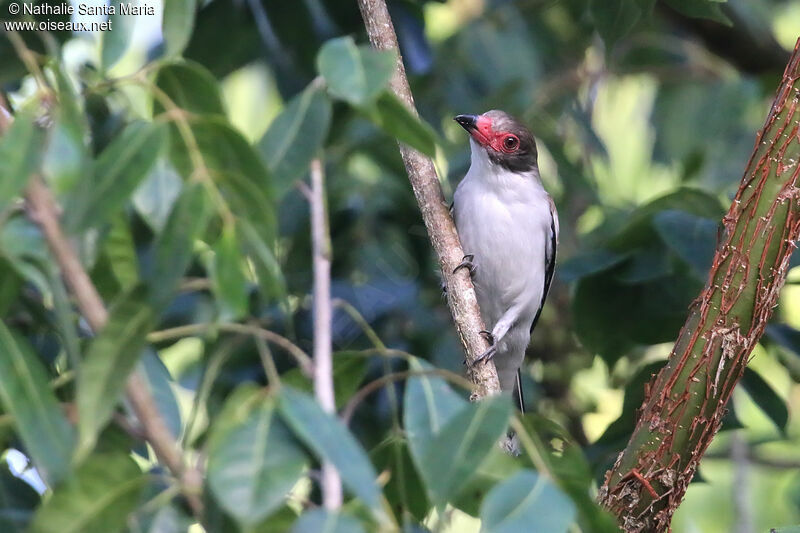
[(684, 405), (323, 359), (436, 215)]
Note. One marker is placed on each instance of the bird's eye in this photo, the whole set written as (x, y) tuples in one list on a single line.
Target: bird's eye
[(510, 143)]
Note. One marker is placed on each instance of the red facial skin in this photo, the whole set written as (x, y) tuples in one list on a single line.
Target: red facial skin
[(500, 141)]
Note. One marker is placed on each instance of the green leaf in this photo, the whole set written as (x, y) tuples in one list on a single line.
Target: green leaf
[(121, 252), (614, 19), (353, 73), (296, 135), (66, 158), (227, 274), (27, 397), (253, 462), (331, 441), (270, 276), (116, 40), (174, 247), (20, 154), (691, 237), (324, 521), (190, 87), (429, 405), (709, 9), (155, 196), (349, 369), (17, 501), (589, 263), (110, 358), (98, 499), (159, 381), (119, 169), (766, 398), (237, 170), (389, 114), (405, 489), (22, 243), (177, 23), (526, 502), (464, 442)]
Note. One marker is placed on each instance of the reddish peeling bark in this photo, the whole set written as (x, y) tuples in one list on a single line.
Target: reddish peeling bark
[(685, 403)]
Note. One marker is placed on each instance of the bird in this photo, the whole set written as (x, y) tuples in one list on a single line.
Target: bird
[(508, 227)]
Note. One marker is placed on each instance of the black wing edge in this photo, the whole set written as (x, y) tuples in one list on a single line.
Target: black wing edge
[(550, 268), (520, 397)]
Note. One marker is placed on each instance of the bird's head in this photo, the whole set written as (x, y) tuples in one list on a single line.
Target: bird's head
[(504, 139)]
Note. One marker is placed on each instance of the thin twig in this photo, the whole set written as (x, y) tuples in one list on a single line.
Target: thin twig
[(436, 215), (303, 359), (331, 483), (372, 386)]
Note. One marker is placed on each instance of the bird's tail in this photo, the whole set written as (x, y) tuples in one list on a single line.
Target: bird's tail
[(518, 390)]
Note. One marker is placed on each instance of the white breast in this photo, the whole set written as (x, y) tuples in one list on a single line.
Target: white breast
[(504, 220)]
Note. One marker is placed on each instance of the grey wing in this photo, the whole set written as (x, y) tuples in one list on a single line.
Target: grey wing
[(550, 259)]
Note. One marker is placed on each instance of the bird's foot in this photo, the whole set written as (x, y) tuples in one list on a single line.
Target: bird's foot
[(466, 262), (490, 352)]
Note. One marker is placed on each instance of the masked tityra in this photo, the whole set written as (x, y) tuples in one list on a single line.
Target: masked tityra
[(508, 228)]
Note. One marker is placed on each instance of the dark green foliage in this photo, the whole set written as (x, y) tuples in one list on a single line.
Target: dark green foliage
[(179, 169)]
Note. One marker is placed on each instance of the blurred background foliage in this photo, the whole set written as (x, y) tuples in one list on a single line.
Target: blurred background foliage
[(645, 112)]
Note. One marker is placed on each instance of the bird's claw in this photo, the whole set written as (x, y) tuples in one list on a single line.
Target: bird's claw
[(466, 262), (489, 354)]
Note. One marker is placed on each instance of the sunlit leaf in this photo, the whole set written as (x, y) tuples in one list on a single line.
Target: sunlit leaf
[(176, 25), (296, 135), (117, 39), (98, 499), (353, 73), (331, 441), (527, 501), (26, 396), (253, 462), (154, 197)]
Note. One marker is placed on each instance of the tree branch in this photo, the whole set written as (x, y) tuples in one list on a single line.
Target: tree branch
[(684, 405), (435, 214), (42, 210), (323, 359)]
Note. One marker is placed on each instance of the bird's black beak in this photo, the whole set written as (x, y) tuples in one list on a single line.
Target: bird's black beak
[(468, 122)]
